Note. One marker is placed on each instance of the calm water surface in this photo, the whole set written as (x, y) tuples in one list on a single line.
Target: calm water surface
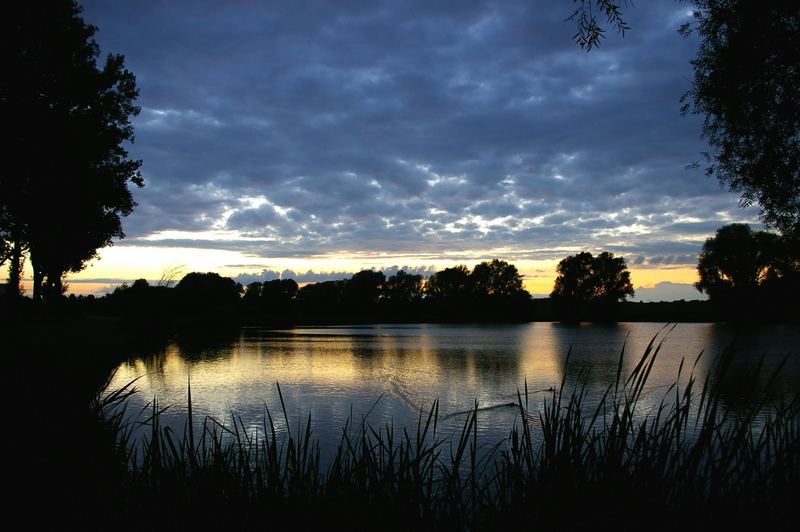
[(392, 372)]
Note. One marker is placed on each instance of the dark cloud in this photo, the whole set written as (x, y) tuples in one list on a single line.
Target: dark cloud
[(422, 127)]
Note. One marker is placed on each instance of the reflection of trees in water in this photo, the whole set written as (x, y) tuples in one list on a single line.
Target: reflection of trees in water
[(485, 359), (759, 366), (197, 346), (746, 383), (189, 349), (418, 369), (154, 361), (591, 353), (473, 361), (759, 351)]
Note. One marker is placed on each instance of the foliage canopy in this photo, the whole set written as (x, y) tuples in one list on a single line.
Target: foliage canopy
[(590, 31), (747, 86), (588, 283), (751, 274), (66, 118), (448, 283), (496, 278)]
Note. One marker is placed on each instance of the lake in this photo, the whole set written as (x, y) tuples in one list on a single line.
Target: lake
[(390, 373)]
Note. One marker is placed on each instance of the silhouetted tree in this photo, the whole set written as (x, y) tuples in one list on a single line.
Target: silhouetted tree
[(251, 300), (6, 254), (279, 291), (733, 263), (320, 300), (401, 298), (574, 286), (448, 294), (133, 300), (745, 271), (747, 86), (746, 79), (781, 284), (362, 291), (588, 286), (492, 291), (449, 283), (65, 120), (252, 291), (403, 288), (614, 279), (147, 308), (496, 292), (271, 299), (14, 246), (277, 297), (208, 295), (589, 29), (5, 249), (496, 278)]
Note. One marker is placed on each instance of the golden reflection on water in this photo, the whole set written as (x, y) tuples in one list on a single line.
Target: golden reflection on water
[(333, 372)]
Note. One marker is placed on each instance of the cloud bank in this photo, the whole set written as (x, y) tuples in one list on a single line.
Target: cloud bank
[(301, 129)]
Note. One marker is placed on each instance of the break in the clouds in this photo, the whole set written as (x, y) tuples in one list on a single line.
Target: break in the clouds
[(295, 129)]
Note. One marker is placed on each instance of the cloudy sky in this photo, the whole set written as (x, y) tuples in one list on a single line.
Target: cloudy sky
[(318, 138)]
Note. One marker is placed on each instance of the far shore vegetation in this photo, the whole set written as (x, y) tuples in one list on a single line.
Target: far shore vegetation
[(749, 276)]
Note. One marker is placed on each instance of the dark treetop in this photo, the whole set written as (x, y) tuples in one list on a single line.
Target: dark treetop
[(66, 119)]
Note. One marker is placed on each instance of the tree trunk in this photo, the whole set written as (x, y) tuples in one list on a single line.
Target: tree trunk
[(53, 286), (38, 279), (15, 270)]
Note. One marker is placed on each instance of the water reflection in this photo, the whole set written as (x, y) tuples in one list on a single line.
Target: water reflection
[(333, 373)]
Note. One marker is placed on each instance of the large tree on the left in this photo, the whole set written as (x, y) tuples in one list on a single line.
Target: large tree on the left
[(65, 118)]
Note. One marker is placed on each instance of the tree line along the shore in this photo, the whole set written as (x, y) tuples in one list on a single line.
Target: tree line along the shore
[(748, 276)]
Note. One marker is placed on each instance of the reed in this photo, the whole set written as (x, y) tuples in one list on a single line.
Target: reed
[(614, 462)]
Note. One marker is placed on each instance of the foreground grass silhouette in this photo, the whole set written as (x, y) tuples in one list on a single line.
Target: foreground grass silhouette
[(616, 463)]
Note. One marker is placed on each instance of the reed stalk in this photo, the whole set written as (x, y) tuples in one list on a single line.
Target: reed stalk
[(613, 462)]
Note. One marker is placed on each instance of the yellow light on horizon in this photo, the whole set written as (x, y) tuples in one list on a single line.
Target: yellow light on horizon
[(126, 263)]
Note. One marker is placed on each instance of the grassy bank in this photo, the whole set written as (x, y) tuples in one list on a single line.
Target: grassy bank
[(618, 463), (57, 460)]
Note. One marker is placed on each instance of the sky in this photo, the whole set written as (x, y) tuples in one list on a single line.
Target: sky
[(313, 139)]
